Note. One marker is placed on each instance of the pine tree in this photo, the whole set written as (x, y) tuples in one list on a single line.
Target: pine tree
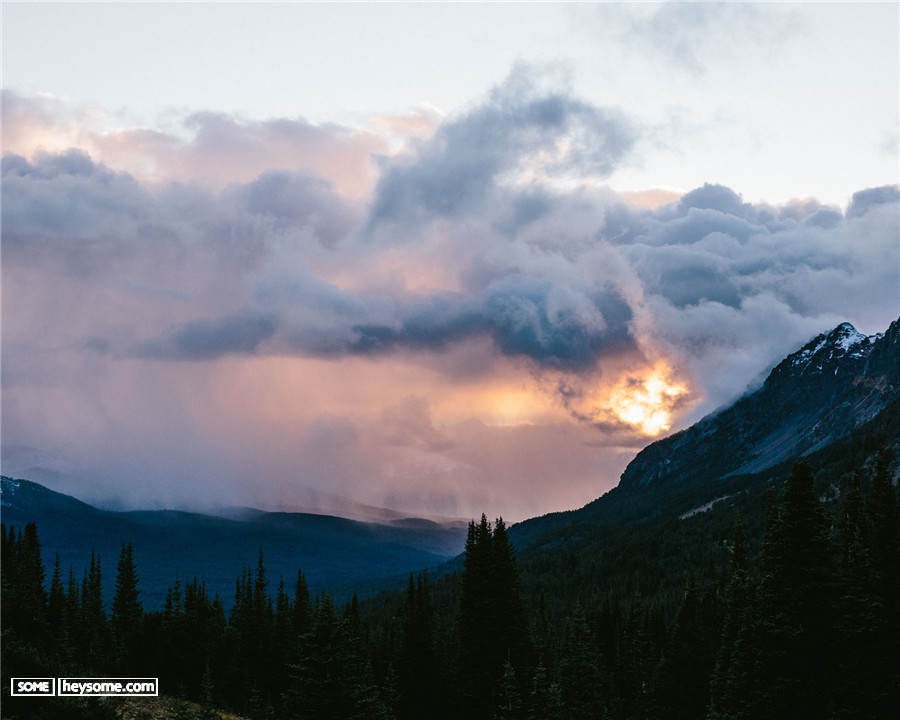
[(724, 685), (579, 670), (303, 613), (509, 701), (127, 611), (366, 696), (786, 646), (93, 627), (545, 699), (681, 686), (492, 624), (883, 621), (324, 672), (56, 604), (511, 628), (31, 598), (416, 676)]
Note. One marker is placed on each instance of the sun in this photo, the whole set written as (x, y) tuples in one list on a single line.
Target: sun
[(646, 401)]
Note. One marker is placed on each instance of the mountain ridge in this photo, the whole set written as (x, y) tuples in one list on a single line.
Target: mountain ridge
[(795, 411), (335, 554), (836, 384)]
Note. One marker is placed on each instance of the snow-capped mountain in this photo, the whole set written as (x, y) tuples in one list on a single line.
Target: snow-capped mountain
[(816, 395), (840, 390)]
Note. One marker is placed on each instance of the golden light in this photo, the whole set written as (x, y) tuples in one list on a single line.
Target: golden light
[(513, 407), (646, 402)]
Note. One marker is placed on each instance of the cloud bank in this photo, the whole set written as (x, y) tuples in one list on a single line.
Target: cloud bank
[(472, 320)]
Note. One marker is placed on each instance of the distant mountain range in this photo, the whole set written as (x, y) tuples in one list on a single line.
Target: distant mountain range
[(335, 554), (838, 392)]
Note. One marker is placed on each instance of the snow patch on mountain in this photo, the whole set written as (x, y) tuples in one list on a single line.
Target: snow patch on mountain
[(702, 508)]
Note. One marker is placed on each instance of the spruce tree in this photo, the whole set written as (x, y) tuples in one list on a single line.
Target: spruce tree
[(127, 611), (788, 659), (29, 603), (579, 670), (545, 699), (511, 629), (56, 604), (415, 661), (303, 613), (883, 553), (492, 623), (509, 701), (724, 685), (93, 632)]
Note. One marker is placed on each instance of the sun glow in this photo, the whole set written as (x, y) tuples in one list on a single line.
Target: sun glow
[(646, 403)]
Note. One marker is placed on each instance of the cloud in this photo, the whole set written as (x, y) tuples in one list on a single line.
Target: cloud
[(206, 148), (471, 325), (550, 324), (518, 134), (865, 200), (205, 340), (694, 36)]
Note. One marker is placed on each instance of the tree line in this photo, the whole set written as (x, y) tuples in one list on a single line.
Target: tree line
[(802, 621)]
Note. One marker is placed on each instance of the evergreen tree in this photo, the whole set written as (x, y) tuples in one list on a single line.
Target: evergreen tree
[(27, 608), (785, 664), (303, 613), (509, 702), (366, 696), (93, 631), (579, 671), (56, 604), (416, 676), (545, 699), (511, 630), (492, 625), (681, 687), (870, 622), (724, 685), (127, 612), (325, 672)]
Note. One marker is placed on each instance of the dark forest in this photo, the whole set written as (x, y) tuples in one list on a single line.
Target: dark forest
[(786, 606)]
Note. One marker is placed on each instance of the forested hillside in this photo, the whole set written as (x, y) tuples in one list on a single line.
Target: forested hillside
[(786, 606), (336, 553)]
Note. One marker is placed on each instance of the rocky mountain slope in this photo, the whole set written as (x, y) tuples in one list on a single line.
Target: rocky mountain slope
[(821, 393), (840, 389)]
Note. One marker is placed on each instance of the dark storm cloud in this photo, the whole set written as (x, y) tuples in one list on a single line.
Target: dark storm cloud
[(527, 317), (208, 340), (517, 130)]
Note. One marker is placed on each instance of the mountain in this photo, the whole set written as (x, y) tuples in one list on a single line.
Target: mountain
[(336, 554), (819, 394), (839, 387)]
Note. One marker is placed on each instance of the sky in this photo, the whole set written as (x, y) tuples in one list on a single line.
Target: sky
[(447, 258)]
